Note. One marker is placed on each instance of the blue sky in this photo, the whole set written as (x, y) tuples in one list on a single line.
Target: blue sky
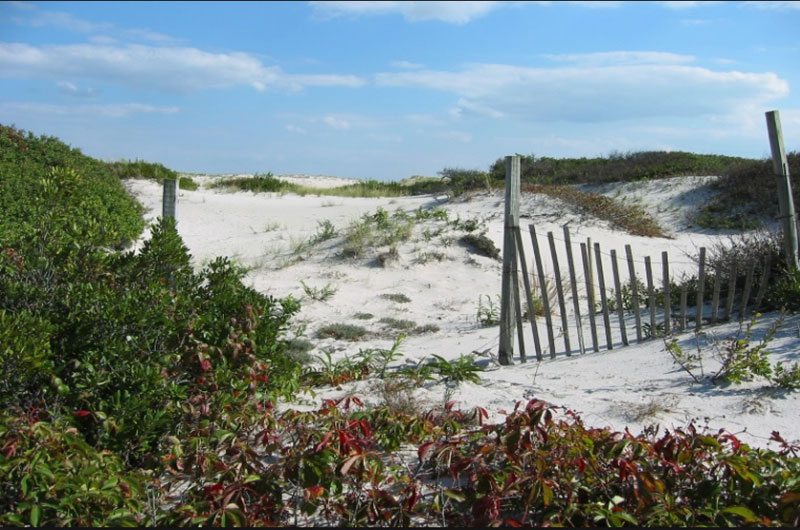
[(388, 90)]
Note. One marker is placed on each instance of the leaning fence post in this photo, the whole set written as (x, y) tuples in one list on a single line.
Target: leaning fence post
[(618, 291), (505, 354), (574, 285), (634, 293), (587, 258), (667, 291), (601, 280), (560, 292), (169, 200), (731, 290), (548, 318), (523, 261), (785, 201), (651, 295), (701, 284)]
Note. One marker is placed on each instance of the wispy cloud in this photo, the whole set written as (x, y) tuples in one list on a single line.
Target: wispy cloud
[(295, 129), (180, 69), (620, 58), (35, 17), (406, 65), (335, 122), (412, 11), (108, 110), (71, 89), (777, 5), (598, 90)]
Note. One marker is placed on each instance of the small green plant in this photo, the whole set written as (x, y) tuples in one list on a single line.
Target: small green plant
[(482, 245), (426, 328), (319, 294), (739, 360), (341, 332), (399, 298), (394, 323), (364, 316), (489, 314), (325, 231)]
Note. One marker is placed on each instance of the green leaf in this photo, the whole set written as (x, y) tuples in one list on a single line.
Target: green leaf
[(743, 512), (36, 514), (455, 496)]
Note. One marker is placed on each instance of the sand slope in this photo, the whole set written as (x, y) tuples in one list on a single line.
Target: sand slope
[(629, 387)]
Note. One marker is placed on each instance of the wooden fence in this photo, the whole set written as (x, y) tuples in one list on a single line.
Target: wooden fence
[(609, 308)]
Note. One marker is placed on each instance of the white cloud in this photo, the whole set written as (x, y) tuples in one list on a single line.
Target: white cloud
[(171, 68), (406, 65), (336, 123), (412, 11), (108, 110), (71, 89), (776, 5), (295, 129), (687, 4), (459, 136), (598, 92), (621, 58)]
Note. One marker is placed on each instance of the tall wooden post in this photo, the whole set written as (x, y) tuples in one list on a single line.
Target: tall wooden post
[(170, 198), (505, 355), (785, 202)]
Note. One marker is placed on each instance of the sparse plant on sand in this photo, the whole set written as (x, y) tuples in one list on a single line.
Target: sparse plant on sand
[(325, 231), (489, 314), (341, 332), (319, 294), (399, 298), (739, 360)]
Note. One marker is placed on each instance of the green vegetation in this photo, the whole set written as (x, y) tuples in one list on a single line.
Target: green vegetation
[(399, 298), (341, 332), (739, 360), (617, 167), (482, 245), (746, 190), (136, 391)]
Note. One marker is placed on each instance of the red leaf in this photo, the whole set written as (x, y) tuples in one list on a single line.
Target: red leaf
[(205, 365), (80, 413), (424, 450), (213, 489)]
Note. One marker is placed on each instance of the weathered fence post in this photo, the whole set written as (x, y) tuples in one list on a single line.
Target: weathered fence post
[(785, 201), (701, 284), (651, 296), (560, 292), (505, 354), (618, 290), (523, 261), (601, 280), (548, 317), (169, 198), (574, 286), (667, 291), (586, 257), (634, 293)]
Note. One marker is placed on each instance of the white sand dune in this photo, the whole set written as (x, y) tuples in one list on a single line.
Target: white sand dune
[(633, 387)]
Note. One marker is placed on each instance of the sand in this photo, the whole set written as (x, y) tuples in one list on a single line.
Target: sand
[(628, 387)]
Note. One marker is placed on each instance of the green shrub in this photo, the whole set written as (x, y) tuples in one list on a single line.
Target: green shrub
[(50, 477), (399, 298), (25, 357), (482, 245), (341, 332)]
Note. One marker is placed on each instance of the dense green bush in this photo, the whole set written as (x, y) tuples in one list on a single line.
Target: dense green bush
[(745, 192), (48, 188), (139, 169), (617, 167)]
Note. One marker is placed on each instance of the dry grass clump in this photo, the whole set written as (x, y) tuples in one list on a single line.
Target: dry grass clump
[(628, 217)]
